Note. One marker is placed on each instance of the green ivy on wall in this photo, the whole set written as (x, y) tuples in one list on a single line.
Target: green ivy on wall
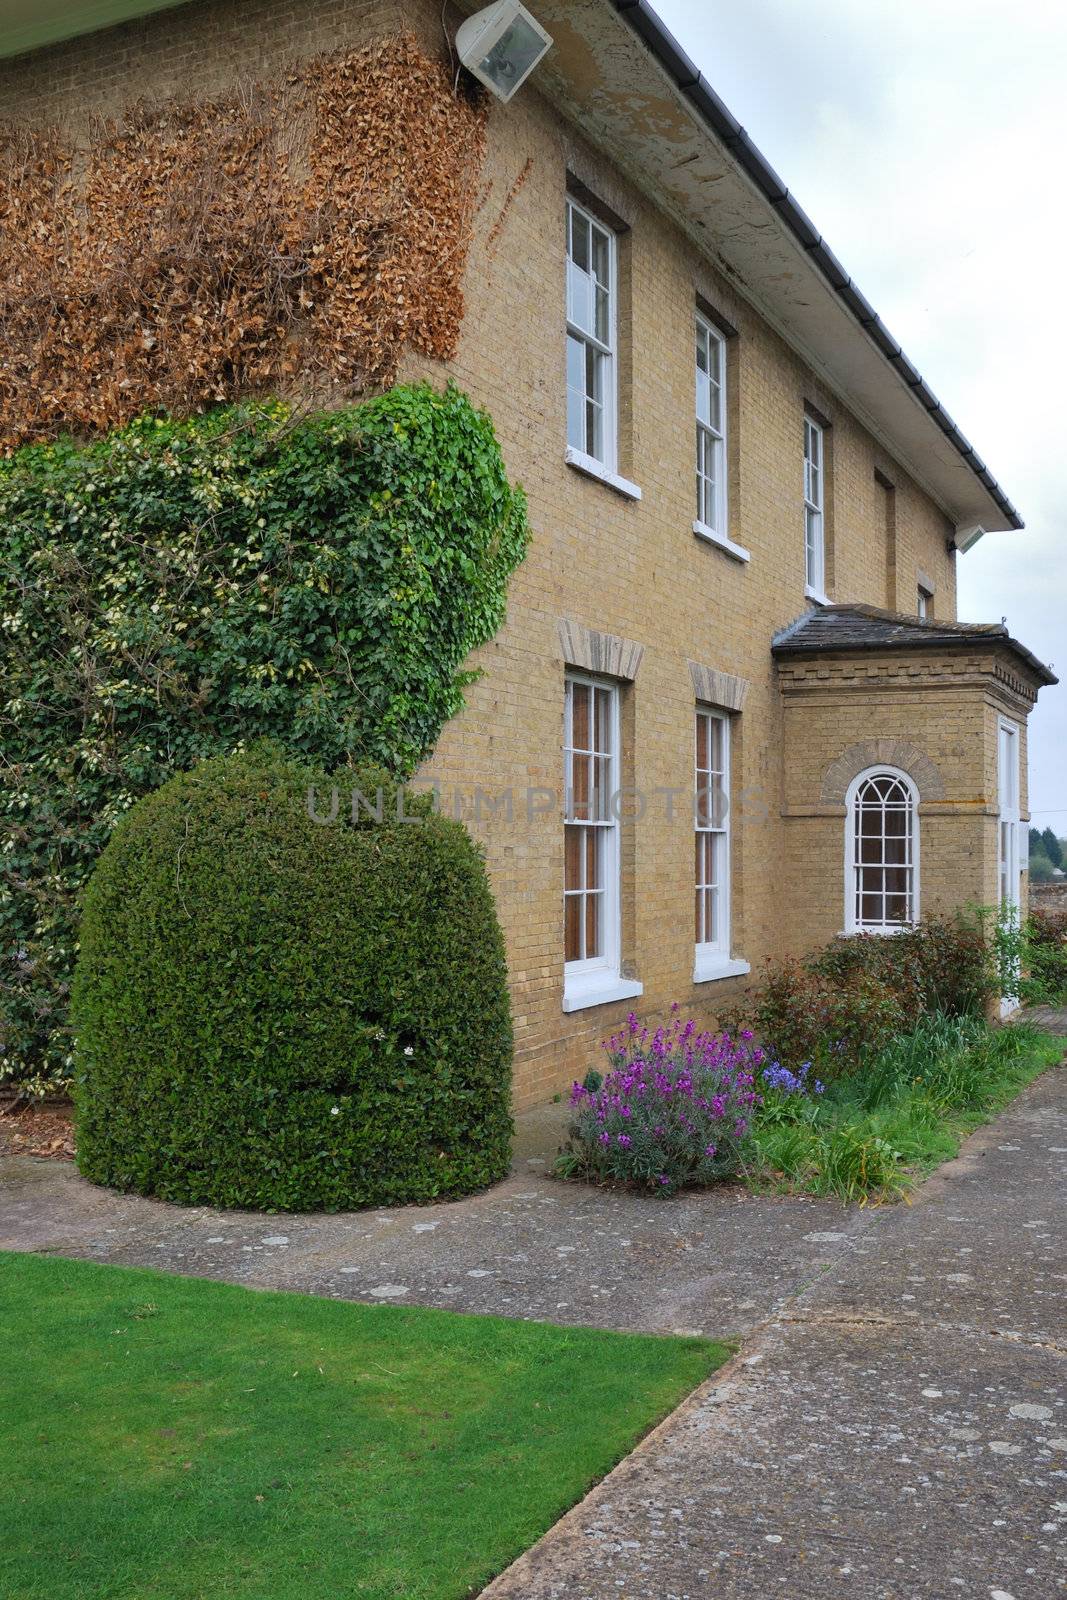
[(180, 589)]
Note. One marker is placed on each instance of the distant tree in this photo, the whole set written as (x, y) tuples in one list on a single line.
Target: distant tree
[(1035, 841), (1041, 869), (1051, 847)]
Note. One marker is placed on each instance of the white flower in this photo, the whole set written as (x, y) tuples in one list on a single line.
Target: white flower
[(335, 1111), (409, 1050)]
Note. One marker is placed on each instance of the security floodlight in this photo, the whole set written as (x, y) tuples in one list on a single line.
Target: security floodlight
[(967, 538), (501, 46)]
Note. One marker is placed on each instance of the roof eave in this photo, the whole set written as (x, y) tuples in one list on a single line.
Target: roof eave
[(691, 83)]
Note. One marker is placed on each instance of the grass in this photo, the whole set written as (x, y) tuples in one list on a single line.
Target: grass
[(171, 1438), (876, 1133)]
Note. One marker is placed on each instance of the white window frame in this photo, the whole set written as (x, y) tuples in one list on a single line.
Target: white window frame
[(596, 980), (1009, 830), (1009, 821), (925, 598), (854, 922), (579, 453), (814, 510), (712, 521), (711, 957)]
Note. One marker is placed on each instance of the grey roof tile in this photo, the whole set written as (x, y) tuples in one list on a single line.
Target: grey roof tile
[(859, 627)]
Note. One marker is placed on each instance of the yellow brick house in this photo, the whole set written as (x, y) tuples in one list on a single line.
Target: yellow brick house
[(747, 510)]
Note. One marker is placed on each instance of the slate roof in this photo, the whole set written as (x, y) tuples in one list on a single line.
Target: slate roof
[(855, 627)]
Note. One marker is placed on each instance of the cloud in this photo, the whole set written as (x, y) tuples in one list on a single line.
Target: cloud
[(923, 138)]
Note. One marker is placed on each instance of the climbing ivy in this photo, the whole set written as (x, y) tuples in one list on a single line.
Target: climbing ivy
[(181, 588)]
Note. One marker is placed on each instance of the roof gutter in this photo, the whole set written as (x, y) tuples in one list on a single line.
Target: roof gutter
[(639, 16)]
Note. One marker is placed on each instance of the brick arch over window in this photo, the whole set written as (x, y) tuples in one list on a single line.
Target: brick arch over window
[(876, 753)]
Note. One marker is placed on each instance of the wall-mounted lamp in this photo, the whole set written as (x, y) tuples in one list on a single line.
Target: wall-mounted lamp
[(966, 538), (501, 46)]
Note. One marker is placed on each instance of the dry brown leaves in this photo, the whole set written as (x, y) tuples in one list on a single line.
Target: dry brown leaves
[(37, 1130), (195, 253)]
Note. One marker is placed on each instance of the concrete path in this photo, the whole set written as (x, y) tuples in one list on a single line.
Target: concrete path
[(897, 1430), (714, 1263)]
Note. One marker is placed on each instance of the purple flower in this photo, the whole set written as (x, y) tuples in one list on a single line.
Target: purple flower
[(689, 1090)]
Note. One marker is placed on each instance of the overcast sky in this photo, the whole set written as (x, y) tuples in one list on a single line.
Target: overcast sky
[(926, 140)]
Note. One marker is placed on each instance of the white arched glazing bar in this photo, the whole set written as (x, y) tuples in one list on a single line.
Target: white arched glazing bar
[(881, 852)]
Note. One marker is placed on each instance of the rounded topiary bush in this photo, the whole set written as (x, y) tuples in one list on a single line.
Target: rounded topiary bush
[(276, 1012)]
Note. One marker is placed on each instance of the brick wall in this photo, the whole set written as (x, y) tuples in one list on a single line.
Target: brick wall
[(633, 569)]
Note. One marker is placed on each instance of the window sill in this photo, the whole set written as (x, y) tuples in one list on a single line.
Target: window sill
[(816, 595), (738, 551), (592, 468), (707, 968), (601, 991)]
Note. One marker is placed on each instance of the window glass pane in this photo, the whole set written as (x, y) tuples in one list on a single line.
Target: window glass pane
[(716, 729), (703, 743), (601, 257), (811, 548), (572, 857), (712, 929), (703, 399), (715, 408), (602, 795), (593, 874), (603, 730), (870, 850), (580, 722), (581, 788), (575, 393), (595, 364), (871, 821), (871, 907), (579, 238), (592, 926), (579, 298), (572, 928), (602, 325), (715, 359), (896, 880)]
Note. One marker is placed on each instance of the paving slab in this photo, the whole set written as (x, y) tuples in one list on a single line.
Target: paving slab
[(856, 1460), (983, 1244)]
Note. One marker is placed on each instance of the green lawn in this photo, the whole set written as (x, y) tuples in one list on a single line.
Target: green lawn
[(169, 1438)]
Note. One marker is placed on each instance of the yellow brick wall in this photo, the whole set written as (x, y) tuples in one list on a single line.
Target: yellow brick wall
[(625, 568)]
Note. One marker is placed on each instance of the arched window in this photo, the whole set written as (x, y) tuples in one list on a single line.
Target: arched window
[(881, 852)]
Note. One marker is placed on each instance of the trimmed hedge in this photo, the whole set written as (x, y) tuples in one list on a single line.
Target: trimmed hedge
[(276, 1013), (182, 588)]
